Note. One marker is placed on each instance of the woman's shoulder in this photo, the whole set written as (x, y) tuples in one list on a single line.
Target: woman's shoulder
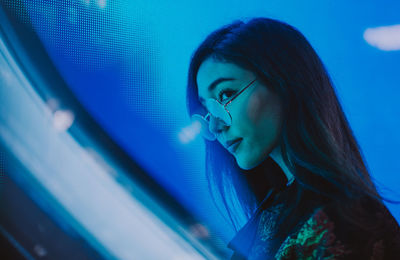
[(325, 234)]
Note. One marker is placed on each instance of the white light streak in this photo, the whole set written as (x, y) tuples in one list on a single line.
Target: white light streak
[(118, 224), (63, 119), (386, 38)]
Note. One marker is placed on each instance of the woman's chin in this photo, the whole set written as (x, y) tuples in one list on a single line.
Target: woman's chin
[(243, 163), (246, 164)]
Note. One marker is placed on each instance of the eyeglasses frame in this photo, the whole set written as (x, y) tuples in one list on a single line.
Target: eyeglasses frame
[(227, 103)]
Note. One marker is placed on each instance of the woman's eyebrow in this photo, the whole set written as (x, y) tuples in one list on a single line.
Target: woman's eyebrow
[(218, 81), (214, 84)]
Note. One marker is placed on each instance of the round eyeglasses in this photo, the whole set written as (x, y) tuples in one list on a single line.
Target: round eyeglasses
[(217, 110)]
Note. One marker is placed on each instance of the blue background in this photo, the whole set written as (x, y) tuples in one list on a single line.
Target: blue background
[(127, 62)]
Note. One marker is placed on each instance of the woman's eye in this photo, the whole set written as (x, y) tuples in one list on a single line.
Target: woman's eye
[(225, 94)]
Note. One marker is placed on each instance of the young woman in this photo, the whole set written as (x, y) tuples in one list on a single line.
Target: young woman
[(277, 137)]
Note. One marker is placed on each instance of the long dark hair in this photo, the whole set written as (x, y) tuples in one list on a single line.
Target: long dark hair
[(317, 142)]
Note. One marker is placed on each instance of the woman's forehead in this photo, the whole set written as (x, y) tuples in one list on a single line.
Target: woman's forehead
[(212, 71)]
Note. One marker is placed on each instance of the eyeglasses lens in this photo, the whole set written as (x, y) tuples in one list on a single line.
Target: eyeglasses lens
[(204, 127), (218, 111)]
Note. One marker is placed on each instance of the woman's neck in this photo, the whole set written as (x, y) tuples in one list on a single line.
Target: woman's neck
[(276, 155)]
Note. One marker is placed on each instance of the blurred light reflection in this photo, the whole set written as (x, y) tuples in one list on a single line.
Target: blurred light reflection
[(386, 38)]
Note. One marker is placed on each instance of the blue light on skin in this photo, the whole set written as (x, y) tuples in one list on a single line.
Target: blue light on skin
[(256, 113)]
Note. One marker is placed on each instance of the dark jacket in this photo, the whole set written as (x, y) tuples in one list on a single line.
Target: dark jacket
[(320, 234)]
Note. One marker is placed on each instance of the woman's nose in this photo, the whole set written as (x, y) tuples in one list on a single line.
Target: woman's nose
[(216, 125)]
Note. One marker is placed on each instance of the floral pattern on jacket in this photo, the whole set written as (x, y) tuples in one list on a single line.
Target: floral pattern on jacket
[(315, 240), (321, 237), (321, 232)]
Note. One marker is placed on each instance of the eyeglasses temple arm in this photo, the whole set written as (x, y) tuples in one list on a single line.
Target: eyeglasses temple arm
[(237, 94)]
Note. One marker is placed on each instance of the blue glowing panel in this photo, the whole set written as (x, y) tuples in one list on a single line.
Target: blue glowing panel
[(127, 61)]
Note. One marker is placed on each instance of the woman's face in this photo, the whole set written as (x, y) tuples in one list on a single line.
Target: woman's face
[(256, 112)]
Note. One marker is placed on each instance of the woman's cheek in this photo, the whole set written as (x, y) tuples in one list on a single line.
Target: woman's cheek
[(255, 107)]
